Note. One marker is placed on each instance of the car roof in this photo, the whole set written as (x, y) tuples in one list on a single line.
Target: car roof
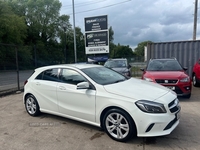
[(118, 59), (163, 59), (77, 66)]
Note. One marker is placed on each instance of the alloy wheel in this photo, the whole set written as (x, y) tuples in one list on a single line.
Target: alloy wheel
[(194, 80), (32, 106), (117, 125)]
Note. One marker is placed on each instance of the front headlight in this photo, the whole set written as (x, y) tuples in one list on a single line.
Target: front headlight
[(150, 107), (126, 73), (187, 79), (148, 79)]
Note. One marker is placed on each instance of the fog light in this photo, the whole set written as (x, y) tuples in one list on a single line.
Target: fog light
[(187, 88)]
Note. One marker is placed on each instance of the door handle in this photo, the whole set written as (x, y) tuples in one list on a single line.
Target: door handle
[(38, 83), (62, 88)]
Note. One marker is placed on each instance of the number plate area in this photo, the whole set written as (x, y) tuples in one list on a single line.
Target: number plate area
[(171, 87)]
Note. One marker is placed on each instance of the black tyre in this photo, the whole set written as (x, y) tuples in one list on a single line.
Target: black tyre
[(187, 96), (32, 106), (119, 125), (194, 81)]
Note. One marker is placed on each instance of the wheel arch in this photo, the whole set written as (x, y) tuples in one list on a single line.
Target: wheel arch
[(114, 107), (193, 73), (37, 112), (27, 94)]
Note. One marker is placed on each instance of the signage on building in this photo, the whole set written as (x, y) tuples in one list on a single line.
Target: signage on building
[(97, 42), (96, 35), (96, 23)]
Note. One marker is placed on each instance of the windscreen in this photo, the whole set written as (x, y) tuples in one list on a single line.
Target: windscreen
[(164, 65), (116, 64)]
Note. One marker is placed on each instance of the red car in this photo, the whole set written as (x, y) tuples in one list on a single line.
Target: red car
[(196, 74), (169, 73)]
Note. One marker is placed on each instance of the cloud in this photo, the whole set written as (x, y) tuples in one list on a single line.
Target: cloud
[(135, 21)]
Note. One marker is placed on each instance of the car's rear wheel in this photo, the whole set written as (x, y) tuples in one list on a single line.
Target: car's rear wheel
[(194, 81), (119, 125), (32, 106)]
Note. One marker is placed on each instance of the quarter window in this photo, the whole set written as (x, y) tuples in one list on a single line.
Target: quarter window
[(49, 75)]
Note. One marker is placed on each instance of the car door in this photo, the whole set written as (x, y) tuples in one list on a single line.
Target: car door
[(79, 103), (44, 87)]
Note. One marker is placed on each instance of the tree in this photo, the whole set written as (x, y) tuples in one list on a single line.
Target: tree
[(46, 29), (12, 27), (121, 51), (139, 50), (111, 44), (81, 56), (42, 18), (111, 34)]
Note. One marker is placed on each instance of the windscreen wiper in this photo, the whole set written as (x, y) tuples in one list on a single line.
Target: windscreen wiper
[(119, 80)]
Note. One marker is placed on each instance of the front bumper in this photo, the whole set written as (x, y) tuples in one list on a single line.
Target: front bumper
[(180, 89), (158, 124)]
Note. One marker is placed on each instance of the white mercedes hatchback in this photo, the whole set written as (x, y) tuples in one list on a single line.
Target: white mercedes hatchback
[(99, 96)]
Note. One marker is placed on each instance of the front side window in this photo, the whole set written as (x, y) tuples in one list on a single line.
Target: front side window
[(71, 76), (49, 75)]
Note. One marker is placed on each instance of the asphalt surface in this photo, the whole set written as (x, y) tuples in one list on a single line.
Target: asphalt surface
[(19, 131), (9, 80)]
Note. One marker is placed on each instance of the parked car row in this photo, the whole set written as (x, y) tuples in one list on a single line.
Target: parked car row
[(169, 73), (124, 107), (106, 96)]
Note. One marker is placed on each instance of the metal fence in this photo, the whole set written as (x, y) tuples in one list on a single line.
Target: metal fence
[(18, 62), (186, 52)]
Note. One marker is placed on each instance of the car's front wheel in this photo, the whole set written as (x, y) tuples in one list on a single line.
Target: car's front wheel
[(119, 125), (194, 81), (32, 106)]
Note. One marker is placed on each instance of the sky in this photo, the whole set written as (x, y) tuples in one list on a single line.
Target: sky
[(135, 21)]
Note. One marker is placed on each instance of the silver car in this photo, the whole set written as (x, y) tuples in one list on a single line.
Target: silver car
[(120, 65)]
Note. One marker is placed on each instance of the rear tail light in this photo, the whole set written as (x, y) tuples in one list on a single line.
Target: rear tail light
[(25, 82)]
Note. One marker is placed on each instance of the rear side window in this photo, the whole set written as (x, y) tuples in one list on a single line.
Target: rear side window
[(49, 75)]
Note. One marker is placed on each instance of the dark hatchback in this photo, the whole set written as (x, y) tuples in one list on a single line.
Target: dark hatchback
[(120, 65)]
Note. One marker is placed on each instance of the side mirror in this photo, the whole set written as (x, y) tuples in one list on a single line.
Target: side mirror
[(185, 68), (142, 69), (83, 85)]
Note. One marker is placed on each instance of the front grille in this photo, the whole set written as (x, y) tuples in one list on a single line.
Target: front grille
[(174, 106), (166, 81)]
